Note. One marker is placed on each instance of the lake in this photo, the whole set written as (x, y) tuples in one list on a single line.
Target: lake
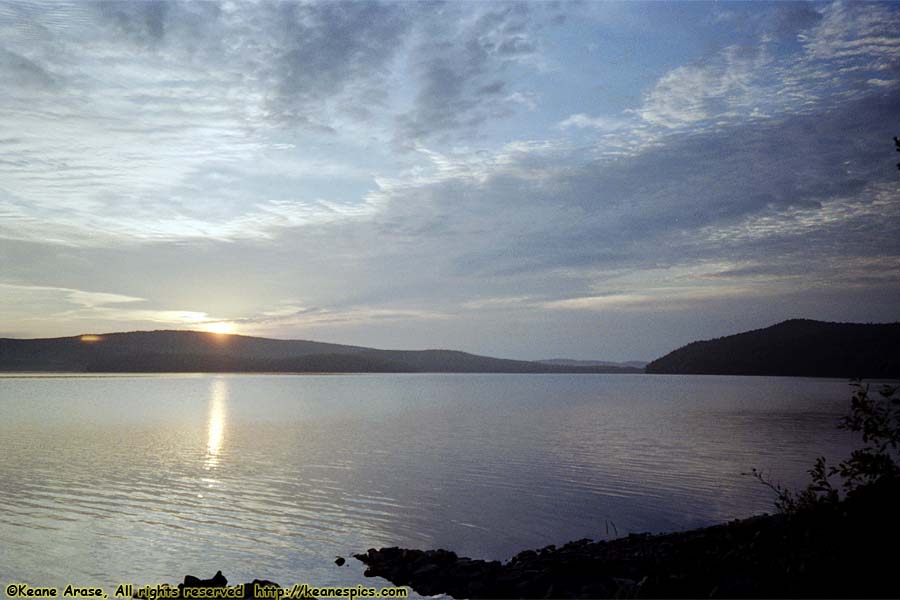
[(143, 479)]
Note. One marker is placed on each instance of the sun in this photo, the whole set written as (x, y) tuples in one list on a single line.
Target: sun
[(220, 327)]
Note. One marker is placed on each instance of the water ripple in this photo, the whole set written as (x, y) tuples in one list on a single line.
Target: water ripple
[(272, 476)]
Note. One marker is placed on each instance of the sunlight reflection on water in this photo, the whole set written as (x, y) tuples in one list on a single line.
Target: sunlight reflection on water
[(218, 398)]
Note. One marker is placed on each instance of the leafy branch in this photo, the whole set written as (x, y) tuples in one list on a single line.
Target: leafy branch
[(877, 419)]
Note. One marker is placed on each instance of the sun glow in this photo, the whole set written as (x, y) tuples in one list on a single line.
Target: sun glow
[(220, 327)]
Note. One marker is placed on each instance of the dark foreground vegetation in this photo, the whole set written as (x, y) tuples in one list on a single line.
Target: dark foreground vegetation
[(799, 347), (835, 538)]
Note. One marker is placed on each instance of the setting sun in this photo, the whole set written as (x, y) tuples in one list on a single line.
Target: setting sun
[(220, 327)]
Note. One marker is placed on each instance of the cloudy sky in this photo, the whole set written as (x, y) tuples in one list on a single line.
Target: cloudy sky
[(528, 180)]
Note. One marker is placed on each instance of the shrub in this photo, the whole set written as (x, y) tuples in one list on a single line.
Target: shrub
[(877, 419)]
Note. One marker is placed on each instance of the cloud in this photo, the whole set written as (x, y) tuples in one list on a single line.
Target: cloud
[(359, 164), (864, 34), (80, 297), (332, 53), (536, 219), (655, 298), (160, 97), (793, 17), (73, 306), (21, 72), (583, 121), (761, 80), (144, 22), (459, 72)]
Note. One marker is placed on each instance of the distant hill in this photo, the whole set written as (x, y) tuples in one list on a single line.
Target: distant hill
[(194, 351), (568, 362), (798, 347)]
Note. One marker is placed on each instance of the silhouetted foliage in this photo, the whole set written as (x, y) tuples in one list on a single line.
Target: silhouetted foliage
[(877, 419), (897, 143)]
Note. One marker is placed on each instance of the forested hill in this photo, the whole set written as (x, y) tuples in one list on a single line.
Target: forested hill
[(798, 347), (194, 351)]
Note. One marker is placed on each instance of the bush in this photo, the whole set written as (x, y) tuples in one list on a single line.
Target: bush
[(876, 462)]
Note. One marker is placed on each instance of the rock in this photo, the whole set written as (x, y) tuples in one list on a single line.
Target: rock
[(525, 555), (217, 580), (250, 588), (426, 570)]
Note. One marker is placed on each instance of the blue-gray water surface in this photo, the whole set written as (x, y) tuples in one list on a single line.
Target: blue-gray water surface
[(143, 479)]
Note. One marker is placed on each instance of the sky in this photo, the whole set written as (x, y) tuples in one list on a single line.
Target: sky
[(529, 180)]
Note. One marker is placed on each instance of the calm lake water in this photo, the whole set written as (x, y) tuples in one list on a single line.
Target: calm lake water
[(146, 478)]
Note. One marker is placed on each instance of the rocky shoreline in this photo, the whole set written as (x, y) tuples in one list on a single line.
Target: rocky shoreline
[(841, 550), (846, 550)]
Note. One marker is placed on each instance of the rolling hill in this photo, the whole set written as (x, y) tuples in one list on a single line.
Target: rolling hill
[(193, 351), (798, 347)]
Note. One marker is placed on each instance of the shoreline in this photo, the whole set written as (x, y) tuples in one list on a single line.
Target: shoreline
[(828, 552)]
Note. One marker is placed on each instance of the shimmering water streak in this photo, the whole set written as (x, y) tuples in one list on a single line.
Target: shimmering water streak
[(218, 392)]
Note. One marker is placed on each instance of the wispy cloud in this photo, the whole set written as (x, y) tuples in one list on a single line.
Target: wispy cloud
[(55, 304), (583, 121), (294, 166)]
